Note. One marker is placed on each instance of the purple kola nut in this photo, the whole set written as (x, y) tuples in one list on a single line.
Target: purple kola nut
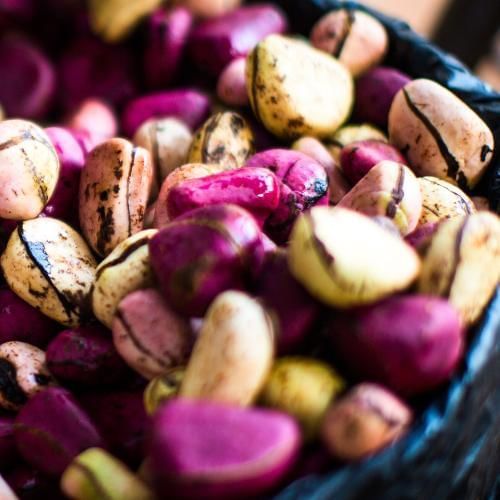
[(411, 344), (420, 238), (168, 32), (8, 451), (204, 253), (85, 356), (250, 450), (121, 420), (90, 68), (63, 204), (304, 183), (21, 322), (190, 106), (28, 80), (358, 158), (375, 91), (30, 484), (52, 429), (214, 43), (292, 308), (255, 189)]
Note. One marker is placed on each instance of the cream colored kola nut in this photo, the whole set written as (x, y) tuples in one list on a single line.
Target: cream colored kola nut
[(29, 170), (304, 388), (462, 263), (208, 8), (168, 141), (113, 20), (124, 270), (2, 113), (225, 139), (279, 70), (24, 373), (345, 259), (49, 265), (114, 191), (355, 38), (442, 200), (233, 354), (439, 134), (390, 190)]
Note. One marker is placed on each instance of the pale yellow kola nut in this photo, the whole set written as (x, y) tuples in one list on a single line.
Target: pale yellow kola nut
[(355, 38), (5, 492), (233, 354), (442, 200), (208, 8), (49, 265), (125, 270), (2, 113), (462, 263), (345, 259), (304, 388), (439, 134), (113, 20), (297, 90)]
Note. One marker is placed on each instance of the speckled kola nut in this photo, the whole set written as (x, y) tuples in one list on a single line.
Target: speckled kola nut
[(389, 189), (162, 388), (233, 354), (49, 265), (355, 38), (114, 19), (345, 259), (304, 388), (224, 139), (123, 271), (439, 134), (168, 141), (442, 200), (279, 69), (29, 169), (462, 263), (23, 373), (114, 191)]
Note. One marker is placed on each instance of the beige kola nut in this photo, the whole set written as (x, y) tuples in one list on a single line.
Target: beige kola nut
[(113, 20), (114, 190), (168, 141), (442, 200), (29, 169), (233, 354), (345, 259), (224, 139), (2, 113), (462, 263), (439, 134), (123, 271), (49, 265), (278, 71)]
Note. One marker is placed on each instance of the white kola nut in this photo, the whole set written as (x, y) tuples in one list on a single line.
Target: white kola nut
[(233, 354), (49, 265)]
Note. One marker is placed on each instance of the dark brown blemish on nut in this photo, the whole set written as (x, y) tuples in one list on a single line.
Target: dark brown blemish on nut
[(211, 126), (9, 386), (236, 123), (255, 73), (106, 228), (456, 256), (129, 180), (37, 179), (466, 206)]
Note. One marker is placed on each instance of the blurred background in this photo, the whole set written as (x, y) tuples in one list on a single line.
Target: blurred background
[(470, 29)]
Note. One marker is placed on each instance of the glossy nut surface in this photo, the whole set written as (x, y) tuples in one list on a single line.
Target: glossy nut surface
[(114, 190), (278, 70), (49, 265), (29, 169), (23, 374), (123, 271), (439, 134)]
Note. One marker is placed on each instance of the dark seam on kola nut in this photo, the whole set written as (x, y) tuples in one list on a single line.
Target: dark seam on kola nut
[(485, 151), (456, 256), (129, 178), (135, 340), (38, 181), (465, 204), (124, 256), (35, 256), (9, 385), (351, 18), (450, 160), (95, 482), (27, 135), (255, 73), (397, 194), (207, 135)]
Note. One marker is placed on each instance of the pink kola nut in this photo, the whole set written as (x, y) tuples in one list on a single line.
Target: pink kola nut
[(190, 106), (28, 81), (200, 449), (214, 43), (412, 344), (231, 87), (422, 235)]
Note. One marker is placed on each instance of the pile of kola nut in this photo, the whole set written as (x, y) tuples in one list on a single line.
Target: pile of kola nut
[(233, 256)]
